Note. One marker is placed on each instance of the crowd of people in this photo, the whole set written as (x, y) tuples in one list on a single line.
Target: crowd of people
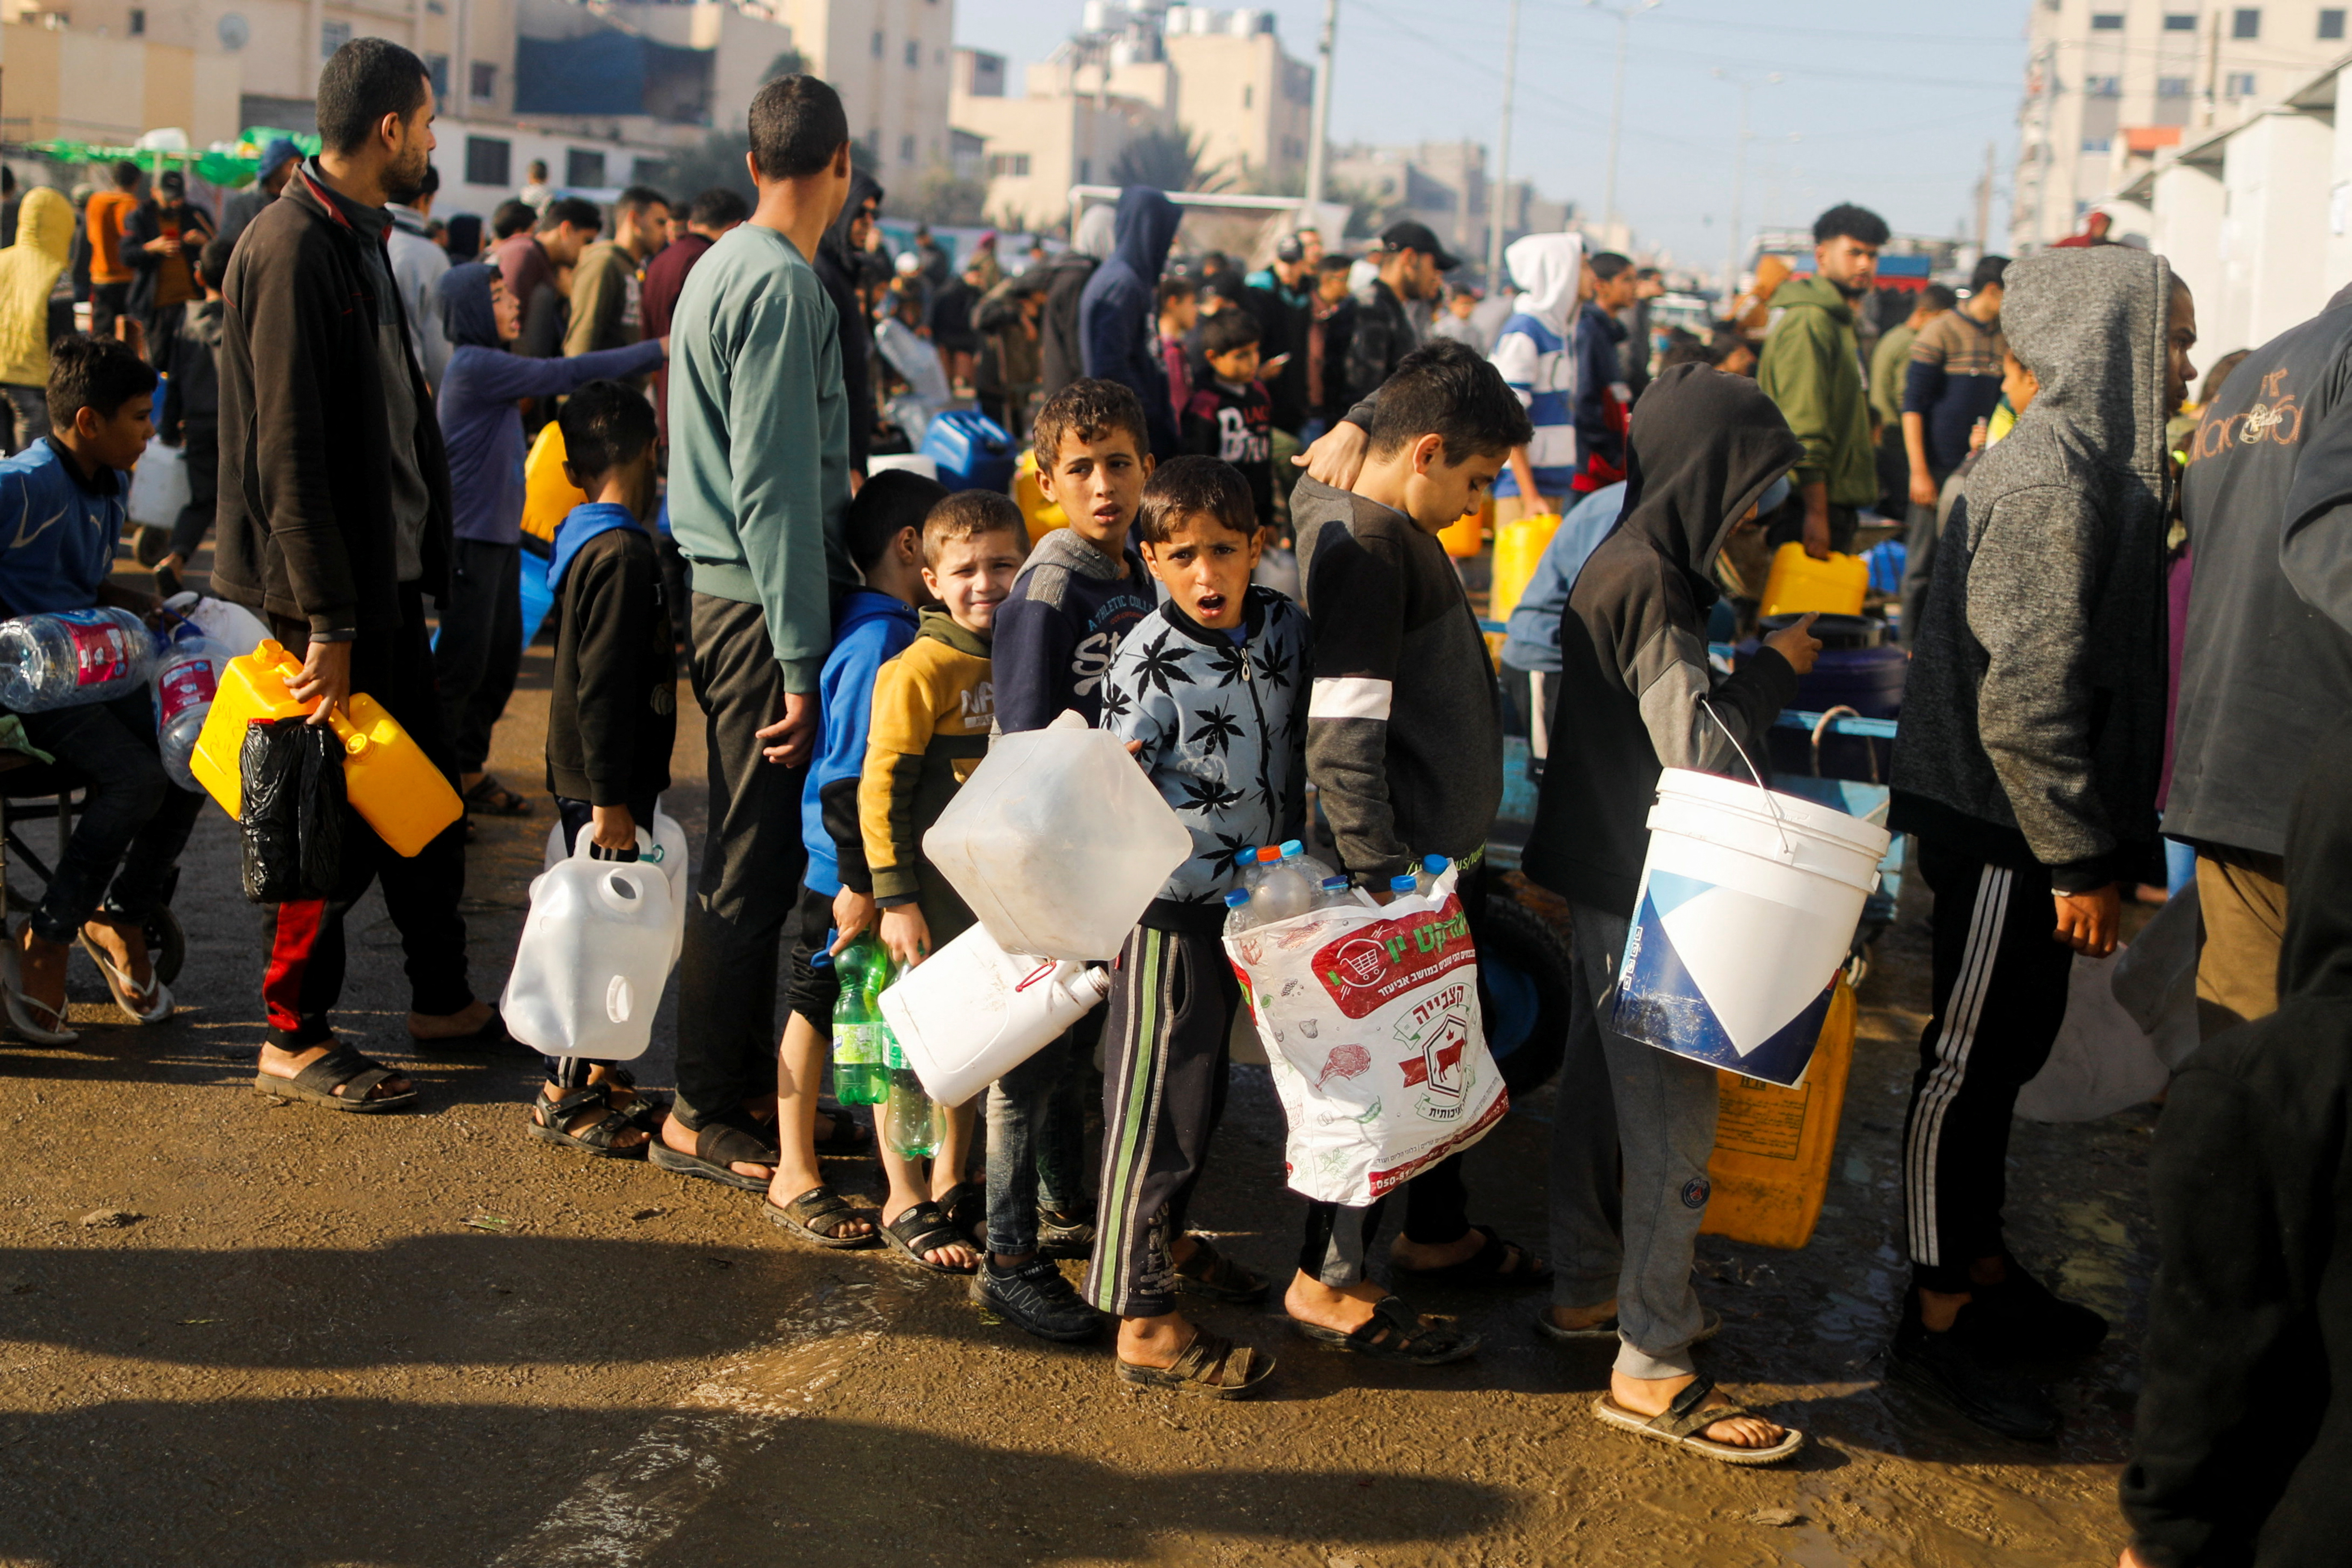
[(2127, 619)]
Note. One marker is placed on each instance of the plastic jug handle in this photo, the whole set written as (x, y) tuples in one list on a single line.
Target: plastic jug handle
[(354, 740), (1788, 850)]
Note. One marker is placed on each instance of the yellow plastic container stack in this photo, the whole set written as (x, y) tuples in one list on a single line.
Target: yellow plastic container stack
[(1773, 1145), (1042, 515), (392, 784), (548, 496), (1799, 583), (1465, 535), (1518, 550)]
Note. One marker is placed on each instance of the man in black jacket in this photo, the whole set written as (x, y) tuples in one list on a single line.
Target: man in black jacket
[(335, 523), (1062, 356), (1411, 264)]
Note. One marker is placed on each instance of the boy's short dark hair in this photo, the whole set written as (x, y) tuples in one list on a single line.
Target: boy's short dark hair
[(1848, 221), (1988, 272), (890, 502), (797, 126), (211, 262), (98, 374), (577, 211), (1228, 331), (361, 83), (1195, 486), (1334, 262), (719, 206), (431, 184), (1608, 266), (1935, 297), (511, 217), (1089, 408), (126, 175), (606, 426), (968, 514), (1174, 287), (637, 198), (1448, 389)]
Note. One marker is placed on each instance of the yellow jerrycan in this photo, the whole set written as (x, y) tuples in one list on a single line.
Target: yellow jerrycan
[(1467, 534), (548, 497), (1043, 516), (391, 783), (1773, 1145), (1518, 550), (1798, 584)]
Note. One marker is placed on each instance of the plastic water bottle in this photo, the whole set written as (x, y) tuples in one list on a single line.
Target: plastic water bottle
[(72, 656), (857, 1028), (1433, 866), (1239, 916), (186, 679), (1285, 887), (1294, 856), (1335, 892), (1403, 885), (911, 1119)]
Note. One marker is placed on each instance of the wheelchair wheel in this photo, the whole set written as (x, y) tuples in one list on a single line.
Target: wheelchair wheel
[(1524, 962), (167, 944)]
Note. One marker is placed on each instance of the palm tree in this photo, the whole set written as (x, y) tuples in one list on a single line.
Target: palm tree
[(1167, 160)]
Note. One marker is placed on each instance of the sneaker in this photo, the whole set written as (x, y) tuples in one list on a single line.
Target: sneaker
[(2029, 1323), (1958, 1368), (1061, 1235), (1034, 1298)]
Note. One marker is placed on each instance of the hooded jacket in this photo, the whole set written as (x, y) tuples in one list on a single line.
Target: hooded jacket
[(1636, 693), (1534, 353), (480, 424), (418, 265), (1061, 355), (612, 714), (2241, 1449), (2033, 715), (28, 276), (2267, 661), (308, 527), (1602, 401), (836, 267), (872, 629), (927, 732), (1117, 314), (1812, 367)]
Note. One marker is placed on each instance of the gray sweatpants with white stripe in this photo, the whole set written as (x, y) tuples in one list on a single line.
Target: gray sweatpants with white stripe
[(2000, 995)]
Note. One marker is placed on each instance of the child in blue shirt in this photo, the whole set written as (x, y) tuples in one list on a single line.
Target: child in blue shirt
[(61, 513)]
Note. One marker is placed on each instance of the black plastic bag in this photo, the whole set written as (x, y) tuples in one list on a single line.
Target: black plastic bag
[(291, 779)]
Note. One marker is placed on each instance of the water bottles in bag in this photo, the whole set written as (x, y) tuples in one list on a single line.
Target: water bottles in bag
[(67, 657)]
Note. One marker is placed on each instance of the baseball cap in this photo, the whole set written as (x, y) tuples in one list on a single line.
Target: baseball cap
[(1291, 250), (276, 154), (1410, 235)]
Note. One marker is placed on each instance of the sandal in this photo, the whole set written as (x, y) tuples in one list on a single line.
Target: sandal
[(1710, 1325), (718, 1146), (27, 1014), (923, 1228), (966, 1207), (340, 1068), (810, 1214), (1213, 1277), (1396, 1332), (1212, 1366), (849, 1139), (151, 1005), (1504, 1264), (549, 1116), (1681, 1423), (492, 799)]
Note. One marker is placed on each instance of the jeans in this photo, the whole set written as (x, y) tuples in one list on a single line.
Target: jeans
[(1920, 532), (479, 651), (748, 879), (135, 817), (1020, 1105)]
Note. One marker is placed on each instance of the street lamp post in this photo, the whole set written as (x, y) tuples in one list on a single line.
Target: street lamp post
[(1624, 15), (1321, 112), (1498, 195), (1738, 182)]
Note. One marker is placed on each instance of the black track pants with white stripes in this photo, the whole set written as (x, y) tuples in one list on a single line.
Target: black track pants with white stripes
[(1999, 997)]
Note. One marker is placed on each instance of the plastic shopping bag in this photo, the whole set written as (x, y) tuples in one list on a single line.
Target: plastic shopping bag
[(2101, 1061), (1370, 1022), (292, 811)]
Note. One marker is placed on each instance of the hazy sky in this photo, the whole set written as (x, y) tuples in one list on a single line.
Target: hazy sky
[(1892, 102)]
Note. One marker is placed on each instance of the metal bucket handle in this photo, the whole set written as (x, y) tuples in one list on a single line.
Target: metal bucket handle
[(1779, 824)]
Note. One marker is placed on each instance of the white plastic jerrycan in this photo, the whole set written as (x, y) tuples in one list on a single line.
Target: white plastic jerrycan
[(589, 972), (663, 845), (1057, 842), (971, 1012)]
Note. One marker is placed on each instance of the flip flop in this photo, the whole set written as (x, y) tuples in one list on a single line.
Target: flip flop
[(806, 1215), (491, 799), (923, 1228), (491, 1037), (1681, 1423), (1212, 1367), (718, 1147), (1396, 1332), (1485, 1266), (342, 1066), (25, 1012), (152, 1006)]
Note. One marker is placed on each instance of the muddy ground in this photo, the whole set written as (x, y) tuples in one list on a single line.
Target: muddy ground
[(428, 1340)]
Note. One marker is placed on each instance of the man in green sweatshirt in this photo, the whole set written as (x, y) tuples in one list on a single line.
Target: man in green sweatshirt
[(759, 479), (1812, 369)]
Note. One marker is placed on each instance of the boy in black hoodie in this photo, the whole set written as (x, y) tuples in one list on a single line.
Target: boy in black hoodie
[(1636, 696), (613, 716), (1229, 415)]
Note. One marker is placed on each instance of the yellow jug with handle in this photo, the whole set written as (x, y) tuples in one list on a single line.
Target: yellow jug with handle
[(1770, 1170)]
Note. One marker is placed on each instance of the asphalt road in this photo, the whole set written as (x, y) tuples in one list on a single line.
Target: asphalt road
[(320, 1338)]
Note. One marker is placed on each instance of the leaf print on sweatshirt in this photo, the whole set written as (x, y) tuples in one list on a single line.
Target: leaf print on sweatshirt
[(1213, 732), (1162, 665), (1208, 795)]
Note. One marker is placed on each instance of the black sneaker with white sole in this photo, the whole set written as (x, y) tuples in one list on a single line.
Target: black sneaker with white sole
[(1035, 1298), (2026, 1321), (1958, 1368)]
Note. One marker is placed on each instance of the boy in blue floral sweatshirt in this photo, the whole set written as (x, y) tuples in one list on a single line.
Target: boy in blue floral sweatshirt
[(1210, 691)]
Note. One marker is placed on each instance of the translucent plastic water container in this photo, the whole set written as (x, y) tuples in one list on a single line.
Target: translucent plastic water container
[(971, 1012), (233, 626), (661, 842), (70, 657), (589, 972)]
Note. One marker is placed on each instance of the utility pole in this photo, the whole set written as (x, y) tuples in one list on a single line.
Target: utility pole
[(1738, 181), (1322, 108), (1498, 193), (1984, 205), (1624, 15)]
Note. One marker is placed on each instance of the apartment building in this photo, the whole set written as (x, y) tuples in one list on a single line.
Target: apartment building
[(889, 60), (2111, 85)]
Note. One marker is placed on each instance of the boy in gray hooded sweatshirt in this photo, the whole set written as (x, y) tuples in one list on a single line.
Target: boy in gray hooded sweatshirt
[(2031, 738)]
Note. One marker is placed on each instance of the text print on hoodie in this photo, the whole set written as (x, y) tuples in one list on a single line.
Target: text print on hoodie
[(1537, 356), (1117, 314), (1636, 693), (2033, 715)]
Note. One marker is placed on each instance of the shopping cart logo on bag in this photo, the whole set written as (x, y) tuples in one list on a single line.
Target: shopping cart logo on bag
[(1374, 964)]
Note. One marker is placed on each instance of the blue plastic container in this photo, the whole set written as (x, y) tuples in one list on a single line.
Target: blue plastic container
[(973, 452)]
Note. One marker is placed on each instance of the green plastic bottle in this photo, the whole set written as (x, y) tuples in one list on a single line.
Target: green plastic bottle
[(910, 1121), (859, 1077)]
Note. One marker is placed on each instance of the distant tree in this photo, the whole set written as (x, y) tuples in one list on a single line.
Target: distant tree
[(1167, 160), (791, 62), (941, 196)]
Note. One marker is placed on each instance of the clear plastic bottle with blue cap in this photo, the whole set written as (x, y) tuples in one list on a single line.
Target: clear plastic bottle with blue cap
[(1433, 866), (1337, 892), (1239, 913)]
